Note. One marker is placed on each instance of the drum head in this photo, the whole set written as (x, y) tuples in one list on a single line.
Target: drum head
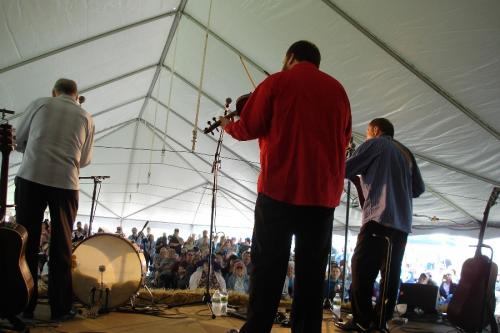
[(122, 267)]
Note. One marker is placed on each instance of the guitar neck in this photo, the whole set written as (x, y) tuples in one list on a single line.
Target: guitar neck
[(4, 177), (491, 201)]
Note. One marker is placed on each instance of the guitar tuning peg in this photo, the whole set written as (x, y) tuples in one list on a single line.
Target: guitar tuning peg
[(214, 119), (217, 130), (212, 133), (209, 123)]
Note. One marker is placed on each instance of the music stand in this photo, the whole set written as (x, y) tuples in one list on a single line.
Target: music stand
[(206, 298)]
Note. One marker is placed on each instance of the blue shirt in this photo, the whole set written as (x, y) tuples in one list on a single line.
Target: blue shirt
[(390, 178)]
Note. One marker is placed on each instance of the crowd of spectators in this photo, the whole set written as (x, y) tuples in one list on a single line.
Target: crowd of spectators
[(175, 263)]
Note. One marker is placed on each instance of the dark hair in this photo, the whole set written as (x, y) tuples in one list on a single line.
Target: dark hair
[(384, 125), (305, 51), (66, 86)]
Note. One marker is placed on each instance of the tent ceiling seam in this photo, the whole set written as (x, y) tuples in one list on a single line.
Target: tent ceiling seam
[(166, 199), (100, 203), (114, 107), (226, 43), (235, 199), (115, 126), (252, 166), (86, 41), (129, 168), (413, 69), (450, 203), (235, 207), (170, 37), (176, 153), (197, 156)]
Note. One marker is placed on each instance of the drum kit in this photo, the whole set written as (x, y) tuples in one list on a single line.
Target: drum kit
[(108, 271)]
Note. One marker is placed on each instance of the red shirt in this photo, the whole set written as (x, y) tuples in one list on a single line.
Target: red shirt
[(302, 119)]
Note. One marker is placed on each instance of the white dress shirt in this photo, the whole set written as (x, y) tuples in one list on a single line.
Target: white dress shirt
[(56, 136)]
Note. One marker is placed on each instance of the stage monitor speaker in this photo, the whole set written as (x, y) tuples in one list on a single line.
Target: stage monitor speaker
[(419, 297)]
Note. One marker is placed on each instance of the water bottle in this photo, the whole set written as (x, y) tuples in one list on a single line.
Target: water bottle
[(216, 303), (336, 306), (223, 301)]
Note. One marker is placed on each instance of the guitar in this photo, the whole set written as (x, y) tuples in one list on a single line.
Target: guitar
[(472, 306), (15, 280)]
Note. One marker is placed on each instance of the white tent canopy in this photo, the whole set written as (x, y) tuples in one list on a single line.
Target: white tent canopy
[(431, 67)]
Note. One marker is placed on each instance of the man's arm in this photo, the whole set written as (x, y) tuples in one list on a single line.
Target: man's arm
[(418, 186), (361, 159), (23, 127), (255, 118), (87, 148)]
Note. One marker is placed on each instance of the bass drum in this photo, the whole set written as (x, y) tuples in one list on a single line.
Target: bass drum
[(122, 264)]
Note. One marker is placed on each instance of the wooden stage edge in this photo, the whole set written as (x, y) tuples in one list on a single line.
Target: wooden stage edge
[(188, 319)]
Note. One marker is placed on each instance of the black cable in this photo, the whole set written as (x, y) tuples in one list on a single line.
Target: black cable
[(175, 151)]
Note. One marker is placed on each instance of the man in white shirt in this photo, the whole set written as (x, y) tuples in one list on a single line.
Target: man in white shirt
[(56, 136)]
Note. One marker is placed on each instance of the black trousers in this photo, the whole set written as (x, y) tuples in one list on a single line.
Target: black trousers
[(275, 224), (31, 201), (368, 259)]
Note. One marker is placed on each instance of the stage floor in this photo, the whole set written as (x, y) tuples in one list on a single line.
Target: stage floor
[(194, 319)]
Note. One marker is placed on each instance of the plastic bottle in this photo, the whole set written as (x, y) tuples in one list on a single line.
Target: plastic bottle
[(336, 306), (223, 300), (216, 303)]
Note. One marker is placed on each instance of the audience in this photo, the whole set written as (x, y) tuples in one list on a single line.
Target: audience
[(175, 263), (238, 281), (447, 288), (200, 276)]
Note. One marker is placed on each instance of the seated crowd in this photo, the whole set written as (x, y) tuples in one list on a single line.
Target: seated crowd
[(175, 263)]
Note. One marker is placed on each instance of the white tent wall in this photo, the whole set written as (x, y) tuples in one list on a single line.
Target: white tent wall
[(431, 67)]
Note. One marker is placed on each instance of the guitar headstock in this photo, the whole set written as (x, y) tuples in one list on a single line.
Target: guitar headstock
[(494, 196), (7, 142)]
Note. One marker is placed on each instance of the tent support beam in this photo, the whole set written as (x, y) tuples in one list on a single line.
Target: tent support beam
[(360, 138), (116, 127), (114, 107), (166, 199), (237, 200), (450, 203), (252, 166), (176, 153), (99, 203), (226, 43), (413, 69), (236, 208), (85, 41), (170, 38), (153, 127), (236, 195), (117, 78), (129, 168), (193, 86)]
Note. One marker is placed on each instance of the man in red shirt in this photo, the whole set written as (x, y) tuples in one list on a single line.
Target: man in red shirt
[(302, 119)]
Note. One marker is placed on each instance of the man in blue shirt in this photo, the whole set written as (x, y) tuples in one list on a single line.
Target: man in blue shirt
[(386, 174)]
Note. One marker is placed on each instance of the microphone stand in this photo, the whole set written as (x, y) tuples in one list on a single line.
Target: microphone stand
[(97, 180), (350, 151), (207, 299)]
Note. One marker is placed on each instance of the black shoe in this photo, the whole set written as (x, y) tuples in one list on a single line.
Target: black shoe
[(65, 317), (27, 315), (351, 325)]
